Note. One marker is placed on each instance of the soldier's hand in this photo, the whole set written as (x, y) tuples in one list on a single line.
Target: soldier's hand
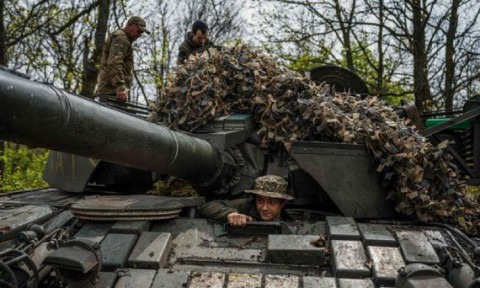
[(237, 219), (122, 95)]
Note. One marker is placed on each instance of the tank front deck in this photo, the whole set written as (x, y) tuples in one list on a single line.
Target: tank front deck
[(195, 252)]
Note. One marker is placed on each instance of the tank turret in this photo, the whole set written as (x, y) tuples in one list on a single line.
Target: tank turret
[(221, 158)]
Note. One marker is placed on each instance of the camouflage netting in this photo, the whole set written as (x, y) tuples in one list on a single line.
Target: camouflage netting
[(173, 187), (419, 177)]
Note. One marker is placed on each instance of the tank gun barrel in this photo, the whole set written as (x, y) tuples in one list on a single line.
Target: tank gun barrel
[(40, 115)]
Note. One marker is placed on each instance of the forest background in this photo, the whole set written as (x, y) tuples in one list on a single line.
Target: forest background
[(421, 51)]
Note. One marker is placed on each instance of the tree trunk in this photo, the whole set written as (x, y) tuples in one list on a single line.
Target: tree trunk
[(423, 97), (3, 37), (346, 28), (380, 70), (91, 65), (3, 61), (449, 55)]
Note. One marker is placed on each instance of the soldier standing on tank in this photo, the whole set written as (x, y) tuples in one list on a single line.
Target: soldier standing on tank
[(194, 40), (270, 198), (116, 68)]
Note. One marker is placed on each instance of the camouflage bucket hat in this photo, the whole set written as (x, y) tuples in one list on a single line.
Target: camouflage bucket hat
[(271, 186), (140, 23)]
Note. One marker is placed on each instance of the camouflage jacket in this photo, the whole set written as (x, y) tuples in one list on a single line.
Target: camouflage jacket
[(188, 47), (116, 67), (219, 209)]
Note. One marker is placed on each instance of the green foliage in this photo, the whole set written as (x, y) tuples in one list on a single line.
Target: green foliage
[(306, 62), (234, 42), (23, 167), (365, 67)]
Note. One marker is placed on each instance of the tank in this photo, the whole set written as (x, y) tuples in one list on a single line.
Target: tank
[(96, 225)]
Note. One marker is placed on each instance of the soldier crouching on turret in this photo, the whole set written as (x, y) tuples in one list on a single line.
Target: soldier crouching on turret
[(270, 198)]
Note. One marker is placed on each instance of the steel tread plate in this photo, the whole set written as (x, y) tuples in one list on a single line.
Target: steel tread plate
[(135, 203)]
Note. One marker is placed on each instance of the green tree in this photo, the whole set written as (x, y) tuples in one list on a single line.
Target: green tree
[(421, 44), (23, 168), (365, 69)]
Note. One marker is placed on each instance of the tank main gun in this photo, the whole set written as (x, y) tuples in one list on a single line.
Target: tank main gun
[(40, 115)]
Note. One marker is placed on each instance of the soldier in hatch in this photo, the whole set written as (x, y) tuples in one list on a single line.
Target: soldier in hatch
[(116, 68), (270, 198), (195, 39)]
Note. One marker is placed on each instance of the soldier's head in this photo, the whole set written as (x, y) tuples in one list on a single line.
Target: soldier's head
[(271, 196), (135, 27), (199, 33)]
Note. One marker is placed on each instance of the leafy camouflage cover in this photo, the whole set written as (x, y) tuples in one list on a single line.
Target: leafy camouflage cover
[(418, 176)]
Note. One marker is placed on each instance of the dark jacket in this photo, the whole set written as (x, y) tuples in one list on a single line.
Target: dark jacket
[(188, 47), (116, 67), (219, 209)]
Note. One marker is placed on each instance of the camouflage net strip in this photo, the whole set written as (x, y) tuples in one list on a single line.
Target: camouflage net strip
[(419, 177), (172, 187)]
